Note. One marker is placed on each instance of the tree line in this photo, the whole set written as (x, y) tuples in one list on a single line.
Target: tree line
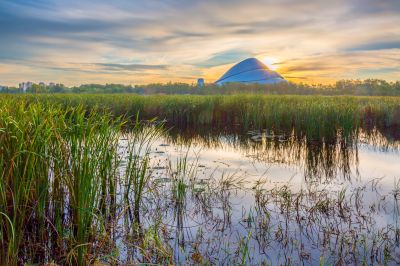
[(372, 87)]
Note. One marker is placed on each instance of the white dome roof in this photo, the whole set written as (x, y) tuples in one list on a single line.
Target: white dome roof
[(250, 70)]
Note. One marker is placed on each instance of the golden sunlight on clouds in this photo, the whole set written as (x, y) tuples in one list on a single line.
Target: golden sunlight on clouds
[(332, 67), (214, 73)]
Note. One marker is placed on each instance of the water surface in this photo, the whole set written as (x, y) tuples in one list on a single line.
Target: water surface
[(263, 197)]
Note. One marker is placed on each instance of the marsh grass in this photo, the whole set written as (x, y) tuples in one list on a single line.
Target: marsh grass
[(316, 117), (136, 176), (58, 180)]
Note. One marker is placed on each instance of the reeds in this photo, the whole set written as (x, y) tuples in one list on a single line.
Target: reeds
[(136, 172), (58, 181), (316, 116)]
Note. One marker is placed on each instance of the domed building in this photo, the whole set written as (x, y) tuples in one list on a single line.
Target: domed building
[(250, 71)]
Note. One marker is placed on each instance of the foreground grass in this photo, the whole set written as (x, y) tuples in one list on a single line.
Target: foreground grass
[(58, 174)]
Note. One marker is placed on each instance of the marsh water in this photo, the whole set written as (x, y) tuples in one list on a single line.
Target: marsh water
[(262, 197)]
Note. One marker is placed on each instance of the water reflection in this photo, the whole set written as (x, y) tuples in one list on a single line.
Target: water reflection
[(211, 208), (321, 159)]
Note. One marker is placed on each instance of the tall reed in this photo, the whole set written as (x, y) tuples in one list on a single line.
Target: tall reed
[(57, 171)]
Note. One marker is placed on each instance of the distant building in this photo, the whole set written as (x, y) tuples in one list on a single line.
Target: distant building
[(24, 86), (200, 82), (52, 84), (42, 84)]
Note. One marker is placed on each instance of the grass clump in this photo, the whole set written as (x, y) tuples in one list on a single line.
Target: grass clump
[(59, 177)]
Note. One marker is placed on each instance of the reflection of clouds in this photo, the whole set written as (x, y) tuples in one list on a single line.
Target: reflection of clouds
[(282, 164), (199, 38), (378, 164)]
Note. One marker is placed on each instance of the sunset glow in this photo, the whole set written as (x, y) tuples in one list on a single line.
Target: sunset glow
[(271, 62)]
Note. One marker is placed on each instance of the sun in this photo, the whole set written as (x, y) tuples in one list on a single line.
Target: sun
[(271, 62)]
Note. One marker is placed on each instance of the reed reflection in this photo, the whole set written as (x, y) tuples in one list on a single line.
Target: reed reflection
[(322, 158)]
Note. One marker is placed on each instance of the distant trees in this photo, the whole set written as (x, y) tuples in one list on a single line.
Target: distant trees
[(368, 87), (10, 90), (373, 87), (107, 88), (57, 88)]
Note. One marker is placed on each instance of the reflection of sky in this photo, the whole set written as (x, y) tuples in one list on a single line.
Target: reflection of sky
[(157, 41), (226, 160), (379, 163), (376, 164)]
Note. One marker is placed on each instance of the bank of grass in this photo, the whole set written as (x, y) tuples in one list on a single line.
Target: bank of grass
[(316, 116)]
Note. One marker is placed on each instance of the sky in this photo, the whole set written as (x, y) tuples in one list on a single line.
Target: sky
[(138, 42)]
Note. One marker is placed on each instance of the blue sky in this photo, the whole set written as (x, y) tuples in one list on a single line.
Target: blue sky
[(136, 42)]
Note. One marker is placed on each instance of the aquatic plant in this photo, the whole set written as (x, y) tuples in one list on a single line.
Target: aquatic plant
[(58, 181)]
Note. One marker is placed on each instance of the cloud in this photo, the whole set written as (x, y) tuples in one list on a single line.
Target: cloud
[(377, 46), (344, 65), (223, 58), (131, 67), (192, 37), (371, 7)]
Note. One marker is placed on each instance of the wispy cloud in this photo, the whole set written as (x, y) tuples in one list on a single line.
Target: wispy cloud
[(131, 67), (377, 46), (223, 58)]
